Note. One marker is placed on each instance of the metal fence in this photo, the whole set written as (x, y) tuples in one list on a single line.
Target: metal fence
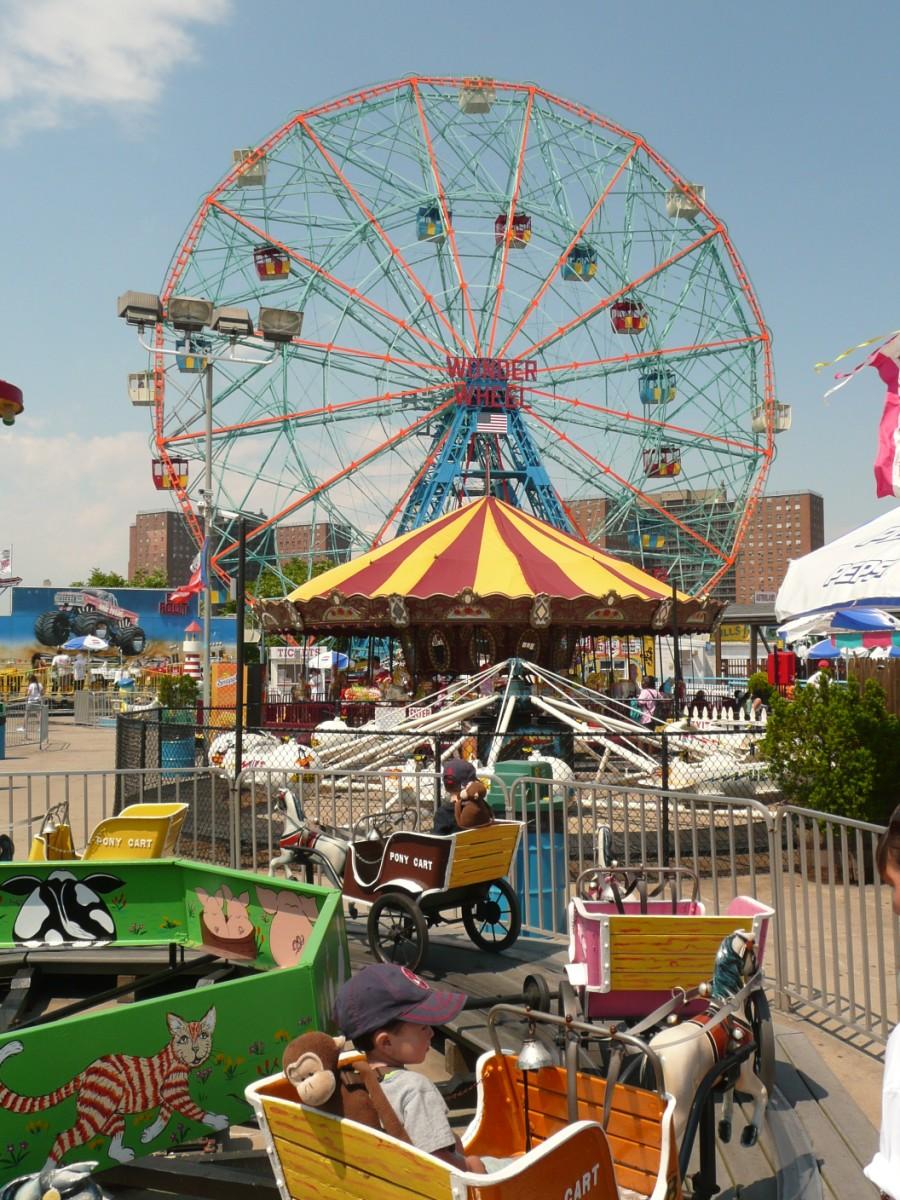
[(834, 949), (105, 707), (27, 724), (207, 834)]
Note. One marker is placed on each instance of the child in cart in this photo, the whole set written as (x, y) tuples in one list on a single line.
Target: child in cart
[(465, 806), (388, 1012)]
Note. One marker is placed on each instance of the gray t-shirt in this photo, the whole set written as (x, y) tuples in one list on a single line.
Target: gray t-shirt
[(421, 1108)]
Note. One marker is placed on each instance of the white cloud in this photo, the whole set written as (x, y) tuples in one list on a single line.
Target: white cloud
[(66, 502), (59, 57)]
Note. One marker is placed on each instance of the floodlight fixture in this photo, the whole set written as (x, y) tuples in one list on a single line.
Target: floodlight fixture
[(139, 308), (232, 322), (189, 313), (280, 324)]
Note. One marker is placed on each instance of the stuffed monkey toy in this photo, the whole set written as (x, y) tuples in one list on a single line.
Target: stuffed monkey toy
[(310, 1062), (470, 807)]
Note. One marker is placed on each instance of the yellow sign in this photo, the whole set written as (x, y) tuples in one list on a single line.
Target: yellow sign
[(735, 633)]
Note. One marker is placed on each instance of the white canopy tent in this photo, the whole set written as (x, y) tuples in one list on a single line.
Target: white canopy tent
[(860, 568)]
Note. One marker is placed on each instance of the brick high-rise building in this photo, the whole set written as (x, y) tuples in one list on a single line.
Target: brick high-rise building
[(783, 527), (160, 541), (324, 541)]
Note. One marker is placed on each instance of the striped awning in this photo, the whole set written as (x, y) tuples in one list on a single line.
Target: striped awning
[(487, 560)]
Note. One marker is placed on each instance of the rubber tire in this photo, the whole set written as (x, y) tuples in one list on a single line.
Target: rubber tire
[(132, 640), (760, 1019), (473, 921), (52, 628), (85, 623), (404, 925), (536, 993)]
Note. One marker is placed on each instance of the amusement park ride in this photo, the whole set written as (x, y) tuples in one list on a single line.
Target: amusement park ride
[(494, 291)]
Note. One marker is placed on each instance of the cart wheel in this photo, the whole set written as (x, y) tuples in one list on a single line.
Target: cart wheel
[(760, 1018), (536, 993), (396, 930), (494, 922)]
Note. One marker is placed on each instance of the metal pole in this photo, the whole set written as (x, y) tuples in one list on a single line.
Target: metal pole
[(207, 538), (239, 657)]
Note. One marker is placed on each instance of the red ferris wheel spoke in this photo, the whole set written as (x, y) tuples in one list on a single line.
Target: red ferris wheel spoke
[(642, 356), (562, 330), (429, 459), (352, 292), (442, 201), (644, 497), (633, 419), (558, 265), (390, 360), (323, 410), (383, 234), (504, 256), (344, 473)]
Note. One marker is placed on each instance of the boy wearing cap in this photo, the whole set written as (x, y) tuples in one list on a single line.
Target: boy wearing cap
[(388, 1012), (457, 773)]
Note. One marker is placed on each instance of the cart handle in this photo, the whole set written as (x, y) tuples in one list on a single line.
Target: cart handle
[(620, 1037), (622, 881)]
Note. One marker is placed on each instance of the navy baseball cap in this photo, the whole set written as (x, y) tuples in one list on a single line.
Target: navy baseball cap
[(458, 772), (386, 992)]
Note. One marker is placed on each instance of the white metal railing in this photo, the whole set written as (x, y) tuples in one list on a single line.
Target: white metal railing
[(27, 723)]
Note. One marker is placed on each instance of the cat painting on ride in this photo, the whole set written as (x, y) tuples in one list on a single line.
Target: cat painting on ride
[(122, 1085)]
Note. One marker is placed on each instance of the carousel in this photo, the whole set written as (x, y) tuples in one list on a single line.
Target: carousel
[(484, 583)]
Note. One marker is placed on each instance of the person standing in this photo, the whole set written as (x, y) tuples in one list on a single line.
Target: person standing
[(884, 1169), (823, 671), (647, 700), (79, 670)]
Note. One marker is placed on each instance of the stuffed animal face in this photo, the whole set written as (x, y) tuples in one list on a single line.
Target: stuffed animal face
[(310, 1062)]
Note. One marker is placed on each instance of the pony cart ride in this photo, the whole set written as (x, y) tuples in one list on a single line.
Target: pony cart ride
[(569, 1133), (412, 880), (146, 830)]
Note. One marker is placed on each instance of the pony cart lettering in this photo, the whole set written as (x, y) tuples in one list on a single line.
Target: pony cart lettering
[(585, 1184)]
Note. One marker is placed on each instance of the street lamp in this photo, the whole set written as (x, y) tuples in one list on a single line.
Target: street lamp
[(189, 315)]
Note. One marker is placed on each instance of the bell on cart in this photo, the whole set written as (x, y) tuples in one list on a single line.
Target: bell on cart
[(656, 387), (163, 479), (682, 201), (192, 354), (430, 224), (580, 264), (521, 230), (662, 462), (477, 95), (781, 419), (271, 262), (628, 316), (140, 388)]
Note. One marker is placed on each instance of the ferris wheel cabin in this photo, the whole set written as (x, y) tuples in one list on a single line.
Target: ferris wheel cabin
[(628, 316), (646, 541), (681, 202), (255, 175), (430, 224), (140, 389), (162, 479), (666, 461), (580, 264), (477, 95), (271, 262), (192, 355), (521, 231), (780, 423), (656, 387)]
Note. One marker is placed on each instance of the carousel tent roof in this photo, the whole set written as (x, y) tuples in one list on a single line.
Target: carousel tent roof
[(492, 549), (486, 561)]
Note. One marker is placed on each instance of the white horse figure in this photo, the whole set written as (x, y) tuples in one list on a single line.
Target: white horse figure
[(689, 1049)]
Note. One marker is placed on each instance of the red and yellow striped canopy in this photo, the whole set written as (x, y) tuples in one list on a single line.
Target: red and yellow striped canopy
[(486, 562), (492, 549)]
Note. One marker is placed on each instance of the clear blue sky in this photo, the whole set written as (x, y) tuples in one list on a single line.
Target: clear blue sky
[(116, 117)]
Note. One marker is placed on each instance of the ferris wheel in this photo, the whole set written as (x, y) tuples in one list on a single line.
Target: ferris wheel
[(499, 292)]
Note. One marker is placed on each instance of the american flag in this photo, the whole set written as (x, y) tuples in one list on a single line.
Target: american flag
[(5, 562), (492, 422)]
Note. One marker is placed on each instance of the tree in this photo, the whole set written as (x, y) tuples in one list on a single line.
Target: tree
[(103, 579), (149, 579), (836, 749)]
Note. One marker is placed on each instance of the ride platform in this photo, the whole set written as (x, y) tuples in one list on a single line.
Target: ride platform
[(815, 1140)]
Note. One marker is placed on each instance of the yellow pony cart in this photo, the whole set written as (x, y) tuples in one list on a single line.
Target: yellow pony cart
[(571, 1135), (139, 831)]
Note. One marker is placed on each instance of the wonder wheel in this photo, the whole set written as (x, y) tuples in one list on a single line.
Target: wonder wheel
[(500, 292)]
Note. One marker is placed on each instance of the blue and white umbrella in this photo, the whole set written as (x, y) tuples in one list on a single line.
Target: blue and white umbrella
[(88, 642), (840, 620)]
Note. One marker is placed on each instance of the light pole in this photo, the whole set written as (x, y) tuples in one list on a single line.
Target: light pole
[(189, 315)]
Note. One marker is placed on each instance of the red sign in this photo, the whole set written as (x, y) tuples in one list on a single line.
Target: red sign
[(490, 382), (167, 608)]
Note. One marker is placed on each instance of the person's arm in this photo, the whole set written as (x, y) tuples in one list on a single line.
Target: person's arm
[(455, 1156)]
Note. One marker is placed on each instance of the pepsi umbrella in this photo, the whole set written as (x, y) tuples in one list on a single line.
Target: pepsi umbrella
[(88, 642), (823, 650), (323, 659), (854, 620)]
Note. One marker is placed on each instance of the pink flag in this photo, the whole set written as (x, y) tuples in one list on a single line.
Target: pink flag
[(886, 362)]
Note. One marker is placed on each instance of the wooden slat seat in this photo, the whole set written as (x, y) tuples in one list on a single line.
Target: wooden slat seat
[(480, 855)]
